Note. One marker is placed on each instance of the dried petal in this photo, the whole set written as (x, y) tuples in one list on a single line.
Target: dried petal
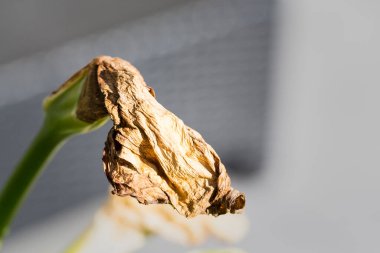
[(151, 154)]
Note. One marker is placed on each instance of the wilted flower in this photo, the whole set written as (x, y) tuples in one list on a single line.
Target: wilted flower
[(150, 153)]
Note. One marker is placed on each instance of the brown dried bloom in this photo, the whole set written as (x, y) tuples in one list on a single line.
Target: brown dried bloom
[(150, 154)]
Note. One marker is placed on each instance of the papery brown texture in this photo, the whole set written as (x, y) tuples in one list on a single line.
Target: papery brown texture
[(150, 153)]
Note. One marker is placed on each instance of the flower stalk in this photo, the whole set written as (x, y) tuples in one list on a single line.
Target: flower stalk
[(60, 123)]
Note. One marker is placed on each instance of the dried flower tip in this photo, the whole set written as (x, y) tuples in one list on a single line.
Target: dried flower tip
[(150, 153)]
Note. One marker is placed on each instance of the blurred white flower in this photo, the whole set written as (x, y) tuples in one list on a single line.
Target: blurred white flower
[(122, 224)]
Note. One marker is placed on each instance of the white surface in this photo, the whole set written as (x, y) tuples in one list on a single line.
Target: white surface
[(323, 164)]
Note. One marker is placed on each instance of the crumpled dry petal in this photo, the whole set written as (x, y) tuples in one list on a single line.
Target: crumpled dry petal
[(150, 154)]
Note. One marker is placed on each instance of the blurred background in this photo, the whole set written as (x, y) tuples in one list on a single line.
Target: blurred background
[(287, 92)]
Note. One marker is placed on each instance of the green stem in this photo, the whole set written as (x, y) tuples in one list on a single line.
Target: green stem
[(40, 152), (60, 123)]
